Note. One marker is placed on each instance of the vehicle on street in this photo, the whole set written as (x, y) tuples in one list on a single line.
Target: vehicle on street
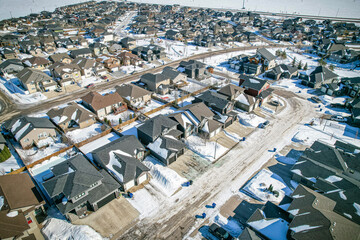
[(338, 118), (264, 124), (104, 77), (90, 85), (316, 99)]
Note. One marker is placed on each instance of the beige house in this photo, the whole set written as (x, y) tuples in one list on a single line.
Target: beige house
[(39, 63), (35, 80), (106, 104), (61, 57), (133, 95), (22, 210), (158, 83), (30, 131), (72, 117), (66, 71), (86, 66)]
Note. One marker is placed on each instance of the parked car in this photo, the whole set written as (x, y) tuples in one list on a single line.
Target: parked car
[(90, 85), (275, 103), (104, 77), (59, 89), (316, 99), (264, 124), (219, 232), (338, 118)]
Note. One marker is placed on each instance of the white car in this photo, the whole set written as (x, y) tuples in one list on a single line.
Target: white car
[(338, 118)]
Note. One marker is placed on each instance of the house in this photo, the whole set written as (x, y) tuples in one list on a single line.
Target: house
[(71, 117), (241, 100), (86, 66), (262, 61), (128, 43), (314, 216), (158, 83), (127, 58), (35, 80), (167, 149), (133, 95), (156, 127), (282, 71), (231, 91), (122, 159), (344, 56), (103, 105), (331, 89), (61, 57), (98, 48), (75, 187), (37, 63), (193, 69), (29, 131), (9, 53), (22, 208), (82, 52), (173, 35), (110, 62), (115, 48), (10, 66), (176, 78), (354, 107), (149, 53), (253, 86), (67, 73), (321, 75), (196, 118), (351, 86), (216, 101)]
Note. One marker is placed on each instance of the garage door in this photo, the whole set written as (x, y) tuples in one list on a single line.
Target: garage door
[(172, 159), (106, 200)]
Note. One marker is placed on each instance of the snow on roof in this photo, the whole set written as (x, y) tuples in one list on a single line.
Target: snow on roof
[(357, 207), (298, 171), (192, 117), (274, 228), (28, 63), (333, 179), (254, 81), (294, 211), (186, 119), (21, 131), (16, 125), (181, 69), (206, 127), (1, 201), (304, 228), (342, 195), (155, 147), (73, 116), (113, 161), (242, 99), (58, 120)]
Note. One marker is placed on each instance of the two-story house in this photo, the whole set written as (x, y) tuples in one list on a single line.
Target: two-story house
[(158, 83), (134, 96)]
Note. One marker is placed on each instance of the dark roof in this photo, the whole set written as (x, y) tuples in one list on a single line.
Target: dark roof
[(155, 126), (253, 83), (9, 62), (192, 64), (171, 73), (28, 75), (21, 126), (154, 77), (283, 68), (131, 168), (266, 54), (80, 51), (211, 98), (321, 74), (249, 234), (166, 146), (230, 90)]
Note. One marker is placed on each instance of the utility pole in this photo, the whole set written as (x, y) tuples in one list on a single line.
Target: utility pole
[(243, 4)]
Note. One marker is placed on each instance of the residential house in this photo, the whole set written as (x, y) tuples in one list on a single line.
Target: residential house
[(158, 83), (98, 49), (29, 131), (122, 159), (176, 78), (354, 107), (99, 69), (35, 80), (37, 63), (110, 62), (10, 67), (344, 56), (71, 117), (75, 187), (149, 53), (115, 48), (134, 96), (321, 75), (173, 35), (351, 86), (282, 71), (61, 57), (241, 100), (128, 43), (67, 73), (48, 45), (82, 52), (86, 66), (193, 69), (331, 89), (127, 58), (314, 215), (255, 87), (65, 43), (216, 101), (103, 105), (9, 53), (22, 208), (167, 149)]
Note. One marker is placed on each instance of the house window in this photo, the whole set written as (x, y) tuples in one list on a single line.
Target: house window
[(26, 140), (29, 220), (140, 155)]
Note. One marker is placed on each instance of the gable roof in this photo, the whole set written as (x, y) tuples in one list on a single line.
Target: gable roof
[(265, 54), (279, 69), (98, 101), (253, 83), (21, 126), (230, 90), (166, 146), (192, 64), (155, 126), (131, 91), (71, 112), (35, 61), (10, 62), (58, 57), (156, 78), (84, 63), (19, 191), (171, 73), (28, 75), (321, 74), (211, 98)]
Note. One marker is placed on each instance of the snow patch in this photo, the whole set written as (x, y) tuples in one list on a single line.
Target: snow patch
[(303, 228)]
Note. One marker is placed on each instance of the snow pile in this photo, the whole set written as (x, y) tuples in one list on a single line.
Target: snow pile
[(205, 148), (45, 142), (79, 135), (285, 160), (230, 225), (60, 229), (250, 120), (12, 214), (145, 203), (259, 185), (166, 179), (233, 136), (273, 229), (267, 109)]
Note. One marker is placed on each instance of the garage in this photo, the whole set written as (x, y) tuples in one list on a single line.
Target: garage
[(172, 159), (106, 200)]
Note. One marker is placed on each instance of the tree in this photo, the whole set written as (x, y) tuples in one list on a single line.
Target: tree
[(331, 67), (306, 67), (322, 62), (278, 53), (283, 55), (270, 188), (120, 121), (186, 42), (294, 62), (300, 65), (152, 41)]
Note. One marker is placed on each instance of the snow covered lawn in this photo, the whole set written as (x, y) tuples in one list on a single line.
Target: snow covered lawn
[(60, 229), (125, 116), (131, 129), (91, 146), (80, 135), (164, 178), (152, 105), (193, 86), (146, 203), (205, 149), (165, 111), (250, 119), (258, 187)]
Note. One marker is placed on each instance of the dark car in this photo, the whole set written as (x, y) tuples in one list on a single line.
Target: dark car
[(219, 232), (264, 124), (90, 85), (316, 99)]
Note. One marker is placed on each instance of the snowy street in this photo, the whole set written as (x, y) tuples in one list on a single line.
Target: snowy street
[(231, 172)]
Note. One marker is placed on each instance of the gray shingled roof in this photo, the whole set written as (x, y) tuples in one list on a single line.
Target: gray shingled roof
[(28, 75), (131, 168), (131, 91), (266, 54), (156, 78), (171, 73), (71, 112), (211, 98), (155, 126), (321, 74)]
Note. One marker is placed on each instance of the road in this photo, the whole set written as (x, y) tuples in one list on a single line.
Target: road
[(14, 110), (229, 174)]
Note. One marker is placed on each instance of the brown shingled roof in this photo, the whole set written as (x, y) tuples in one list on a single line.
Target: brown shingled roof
[(98, 101)]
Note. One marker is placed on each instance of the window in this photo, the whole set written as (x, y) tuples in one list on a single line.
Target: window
[(94, 184), (29, 220), (140, 155)]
